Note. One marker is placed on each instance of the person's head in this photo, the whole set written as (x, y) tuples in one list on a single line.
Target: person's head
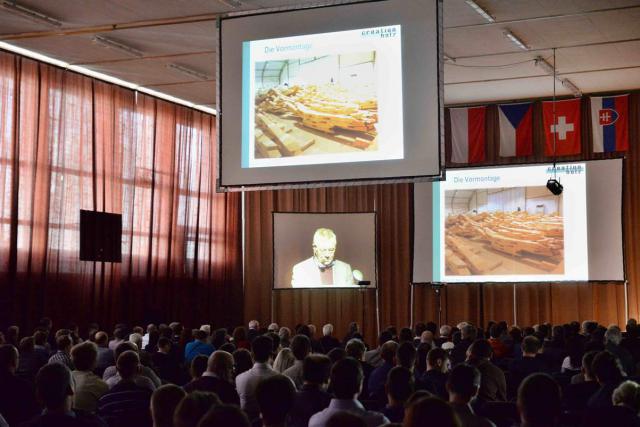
[(164, 344), (198, 366), (539, 400), (201, 335), (479, 350), (192, 407), (124, 346), (613, 335), (355, 348), (388, 351), (261, 347), (437, 359), (627, 394), (136, 338), (284, 360), (327, 330), (430, 411), (26, 345), (463, 383), (445, 331), (399, 385), (40, 337), (8, 358), (468, 332), (119, 334), (225, 416), (54, 387), (64, 343), (336, 354), (128, 365), (406, 335), (163, 404), (324, 246), (427, 337), (589, 327), (346, 378), (606, 368), (102, 339), (84, 356), (384, 336), (315, 369), (243, 360), (220, 363), (273, 327), (530, 346), (587, 365), (406, 355), (275, 397), (312, 330), (300, 346)]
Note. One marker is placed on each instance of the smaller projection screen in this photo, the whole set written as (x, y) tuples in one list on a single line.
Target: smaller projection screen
[(324, 250), (345, 92), (503, 225)]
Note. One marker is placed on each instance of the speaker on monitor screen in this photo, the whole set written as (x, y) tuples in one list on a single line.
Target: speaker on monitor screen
[(100, 236)]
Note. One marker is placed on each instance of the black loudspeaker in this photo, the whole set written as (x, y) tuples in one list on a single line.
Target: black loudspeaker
[(100, 236)]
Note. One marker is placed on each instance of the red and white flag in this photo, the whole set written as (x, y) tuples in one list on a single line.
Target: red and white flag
[(562, 132), (467, 134)]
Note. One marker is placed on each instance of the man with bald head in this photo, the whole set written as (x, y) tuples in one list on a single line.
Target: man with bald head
[(218, 378), (322, 269)]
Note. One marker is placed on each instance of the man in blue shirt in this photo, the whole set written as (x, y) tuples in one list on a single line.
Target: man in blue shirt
[(199, 345)]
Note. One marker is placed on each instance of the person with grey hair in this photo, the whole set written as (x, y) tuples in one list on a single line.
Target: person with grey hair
[(284, 360), (627, 394), (624, 412), (285, 336), (328, 341), (254, 330), (468, 334), (445, 335), (273, 327), (612, 338)]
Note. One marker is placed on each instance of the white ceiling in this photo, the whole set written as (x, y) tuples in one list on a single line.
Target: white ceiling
[(597, 41)]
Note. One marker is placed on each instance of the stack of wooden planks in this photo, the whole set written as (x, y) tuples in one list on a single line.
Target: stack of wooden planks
[(537, 240), (327, 108)]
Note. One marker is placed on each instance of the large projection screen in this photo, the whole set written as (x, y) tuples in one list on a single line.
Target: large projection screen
[(344, 93), (324, 250), (502, 225)]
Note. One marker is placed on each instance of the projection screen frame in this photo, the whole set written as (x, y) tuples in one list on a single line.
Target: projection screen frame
[(624, 281), (327, 288), (329, 182)]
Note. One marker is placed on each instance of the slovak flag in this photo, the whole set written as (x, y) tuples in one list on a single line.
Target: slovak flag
[(516, 135), (467, 134), (610, 123), (562, 132)]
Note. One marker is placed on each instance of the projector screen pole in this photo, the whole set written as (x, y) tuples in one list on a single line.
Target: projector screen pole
[(272, 306), (411, 304), (377, 310), (626, 301), (515, 306)]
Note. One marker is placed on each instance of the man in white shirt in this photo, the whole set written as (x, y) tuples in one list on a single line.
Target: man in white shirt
[(89, 388), (346, 382), (247, 382)]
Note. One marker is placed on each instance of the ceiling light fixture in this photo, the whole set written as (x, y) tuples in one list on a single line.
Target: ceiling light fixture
[(188, 71), (120, 47), (480, 11), (550, 69), (515, 40), (28, 13)]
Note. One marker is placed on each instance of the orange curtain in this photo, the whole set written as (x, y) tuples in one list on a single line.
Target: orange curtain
[(68, 142)]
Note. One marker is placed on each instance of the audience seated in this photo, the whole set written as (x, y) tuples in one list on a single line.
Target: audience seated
[(468, 335), (434, 379), (493, 385), (88, 387), (193, 407), (300, 347), (613, 338), (164, 401), (577, 394), (608, 374), (218, 379), (224, 416), (165, 364), (147, 377), (378, 377), (539, 401), (17, 399), (242, 360), (399, 386), (328, 341), (430, 411), (374, 357), (275, 396), (346, 383), (355, 348), (30, 360), (199, 345), (312, 396), (105, 354), (530, 363), (247, 382), (463, 385)]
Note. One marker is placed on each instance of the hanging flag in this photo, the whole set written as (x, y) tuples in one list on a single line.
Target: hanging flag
[(563, 131), (467, 134), (610, 123), (516, 135)]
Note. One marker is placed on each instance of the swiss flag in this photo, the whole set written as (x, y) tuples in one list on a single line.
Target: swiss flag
[(563, 129)]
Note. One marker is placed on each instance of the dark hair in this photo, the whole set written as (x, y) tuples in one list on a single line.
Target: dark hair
[(239, 334), (430, 411), (201, 335), (163, 342), (436, 354), (40, 337), (530, 344), (63, 342), (420, 328), (400, 383), (26, 345), (84, 356), (261, 347), (124, 346), (384, 337), (119, 333), (480, 349), (225, 416), (406, 355), (164, 402), (355, 348), (230, 348), (539, 399), (464, 380), (275, 396), (421, 357), (406, 335), (300, 346), (337, 353), (388, 351), (587, 362), (346, 378), (198, 365), (606, 368), (8, 356), (53, 384), (192, 407), (219, 337), (128, 364), (315, 368), (243, 360)]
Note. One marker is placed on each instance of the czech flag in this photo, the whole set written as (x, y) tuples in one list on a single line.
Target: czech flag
[(516, 132), (467, 134), (610, 123)]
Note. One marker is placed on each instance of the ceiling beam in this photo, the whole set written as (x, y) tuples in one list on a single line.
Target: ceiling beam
[(541, 18), (144, 58)]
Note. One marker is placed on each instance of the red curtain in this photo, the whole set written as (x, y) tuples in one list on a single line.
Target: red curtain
[(69, 142)]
